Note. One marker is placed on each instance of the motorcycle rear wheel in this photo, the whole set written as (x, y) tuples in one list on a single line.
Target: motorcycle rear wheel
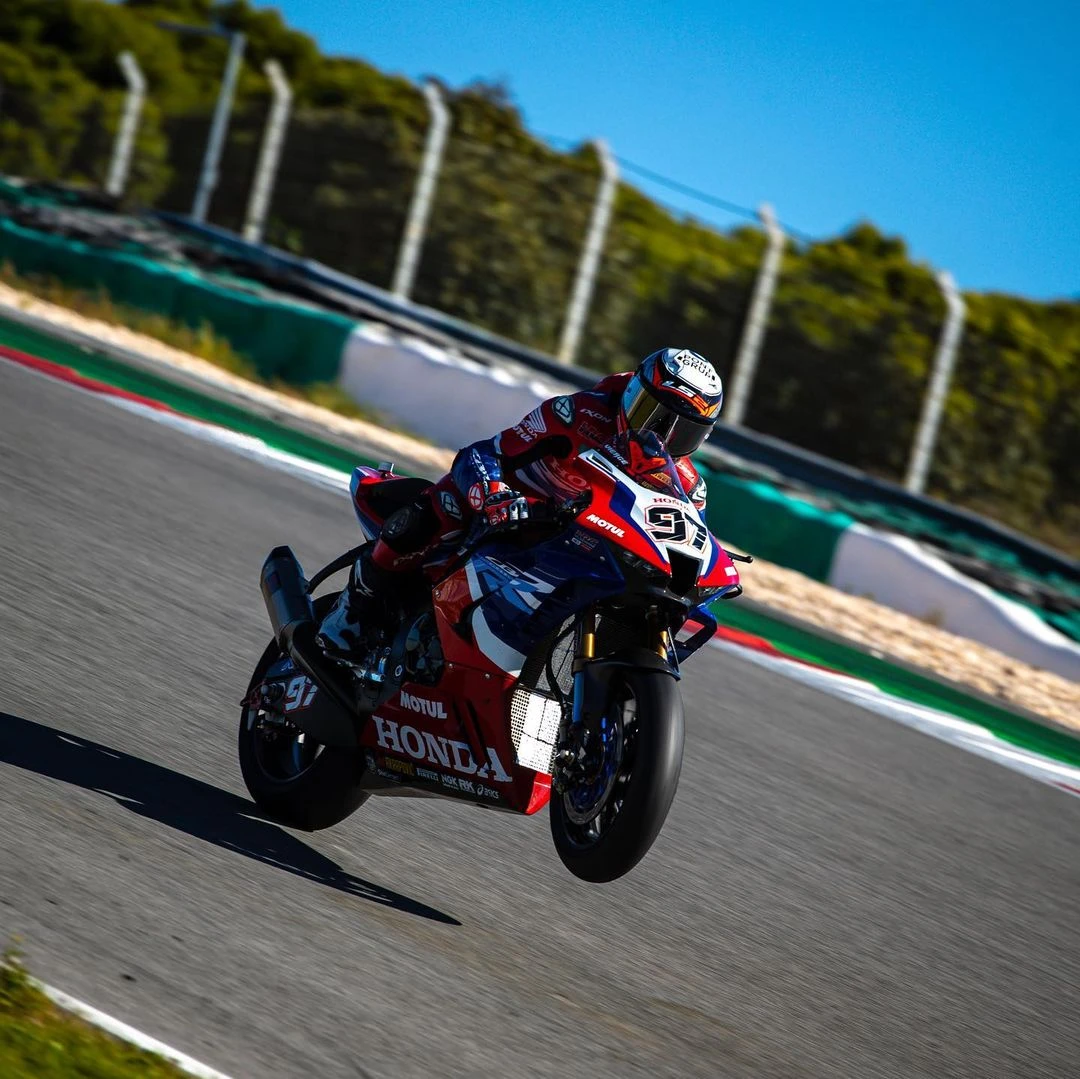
[(603, 840), (291, 777)]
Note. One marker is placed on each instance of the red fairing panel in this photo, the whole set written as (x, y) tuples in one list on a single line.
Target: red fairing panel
[(455, 734), (721, 571), (601, 517)]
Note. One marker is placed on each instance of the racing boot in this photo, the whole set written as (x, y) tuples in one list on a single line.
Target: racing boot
[(358, 612)]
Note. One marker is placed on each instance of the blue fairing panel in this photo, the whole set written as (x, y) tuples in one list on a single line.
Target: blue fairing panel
[(528, 593)]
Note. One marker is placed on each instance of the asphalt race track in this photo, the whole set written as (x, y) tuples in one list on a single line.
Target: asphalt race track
[(833, 894)]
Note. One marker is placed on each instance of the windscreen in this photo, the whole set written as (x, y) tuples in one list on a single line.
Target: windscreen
[(641, 455)]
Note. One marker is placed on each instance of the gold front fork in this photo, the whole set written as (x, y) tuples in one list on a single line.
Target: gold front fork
[(586, 648), (586, 642), (659, 634)]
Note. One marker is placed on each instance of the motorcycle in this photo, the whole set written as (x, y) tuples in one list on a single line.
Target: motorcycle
[(526, 666)]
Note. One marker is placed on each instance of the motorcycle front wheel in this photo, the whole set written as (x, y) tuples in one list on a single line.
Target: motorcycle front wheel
[(290, 776), (604, 822)]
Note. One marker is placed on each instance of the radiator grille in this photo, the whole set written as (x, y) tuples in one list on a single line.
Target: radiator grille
[(536, 705), (535, 719), (545, 689)]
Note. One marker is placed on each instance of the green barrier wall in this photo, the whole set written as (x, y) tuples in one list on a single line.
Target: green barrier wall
[(772, 525), (284, 340)]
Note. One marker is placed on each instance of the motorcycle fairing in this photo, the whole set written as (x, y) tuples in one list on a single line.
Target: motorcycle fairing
[(655, 522), (469, 736), (517, 596), (361, 479), (448, 748)]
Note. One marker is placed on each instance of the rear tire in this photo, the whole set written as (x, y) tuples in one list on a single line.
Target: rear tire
[(633, 809), (296, 780)]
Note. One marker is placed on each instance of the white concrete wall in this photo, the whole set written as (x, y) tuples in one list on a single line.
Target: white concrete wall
[(897, 572), (448, 399)]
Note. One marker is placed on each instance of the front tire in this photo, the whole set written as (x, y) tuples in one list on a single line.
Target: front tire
[(602, 839), (292, 778)]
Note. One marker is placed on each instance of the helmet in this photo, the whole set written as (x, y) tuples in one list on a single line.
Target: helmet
[(676, 394)]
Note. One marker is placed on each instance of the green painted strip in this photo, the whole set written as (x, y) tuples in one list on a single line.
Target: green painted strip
[(774, 525), (908, 685), (282, 336), (190, 402), (792, 640)]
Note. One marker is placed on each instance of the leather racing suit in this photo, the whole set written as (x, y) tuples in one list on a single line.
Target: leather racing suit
[(524, 459)]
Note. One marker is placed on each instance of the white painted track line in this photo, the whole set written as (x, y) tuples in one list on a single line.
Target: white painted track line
[(128, 1033)]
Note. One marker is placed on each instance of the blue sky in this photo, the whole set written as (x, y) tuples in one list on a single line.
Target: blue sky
[(953, 124)]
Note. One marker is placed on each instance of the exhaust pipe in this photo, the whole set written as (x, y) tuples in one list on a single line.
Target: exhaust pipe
[(293, 619), (285, 595)]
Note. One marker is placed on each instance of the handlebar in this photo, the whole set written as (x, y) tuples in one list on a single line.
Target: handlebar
[(542, 511)]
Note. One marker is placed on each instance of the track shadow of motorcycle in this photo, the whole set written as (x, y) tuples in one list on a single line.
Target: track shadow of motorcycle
[(188, 805)]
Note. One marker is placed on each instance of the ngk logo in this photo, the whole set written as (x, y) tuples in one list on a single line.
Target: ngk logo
[(422, 746), (607, 526), (434, 709)]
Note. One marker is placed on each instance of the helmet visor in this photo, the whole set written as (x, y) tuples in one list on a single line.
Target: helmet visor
[(643, 412)]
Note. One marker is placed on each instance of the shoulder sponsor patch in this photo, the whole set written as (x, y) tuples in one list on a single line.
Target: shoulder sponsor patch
[(563, 407), (534, 422), (450, 505)]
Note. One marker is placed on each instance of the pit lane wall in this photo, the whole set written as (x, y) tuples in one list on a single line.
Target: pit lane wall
[(453, 401)]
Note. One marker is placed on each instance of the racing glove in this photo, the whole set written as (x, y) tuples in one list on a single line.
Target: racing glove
[(498, 504)]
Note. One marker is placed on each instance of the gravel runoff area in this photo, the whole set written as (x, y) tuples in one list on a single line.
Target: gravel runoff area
[(884, 631)]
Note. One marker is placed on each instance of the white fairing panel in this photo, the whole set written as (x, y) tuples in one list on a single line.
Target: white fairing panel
[(667, 522)]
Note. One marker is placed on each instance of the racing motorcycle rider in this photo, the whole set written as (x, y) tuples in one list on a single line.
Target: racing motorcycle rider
[(674, 393)]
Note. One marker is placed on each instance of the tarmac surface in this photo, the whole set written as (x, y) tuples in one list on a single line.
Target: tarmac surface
[(832, 895)]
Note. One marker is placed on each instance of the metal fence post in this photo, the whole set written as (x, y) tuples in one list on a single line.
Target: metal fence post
[(581, 295), (746, 361), (922, 449), (208, 177), (420, 208), (262, 186), (129, 124)]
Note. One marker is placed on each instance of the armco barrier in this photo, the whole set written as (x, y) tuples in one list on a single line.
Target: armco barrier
[(282, 338), (340, 291), (827, 475)]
